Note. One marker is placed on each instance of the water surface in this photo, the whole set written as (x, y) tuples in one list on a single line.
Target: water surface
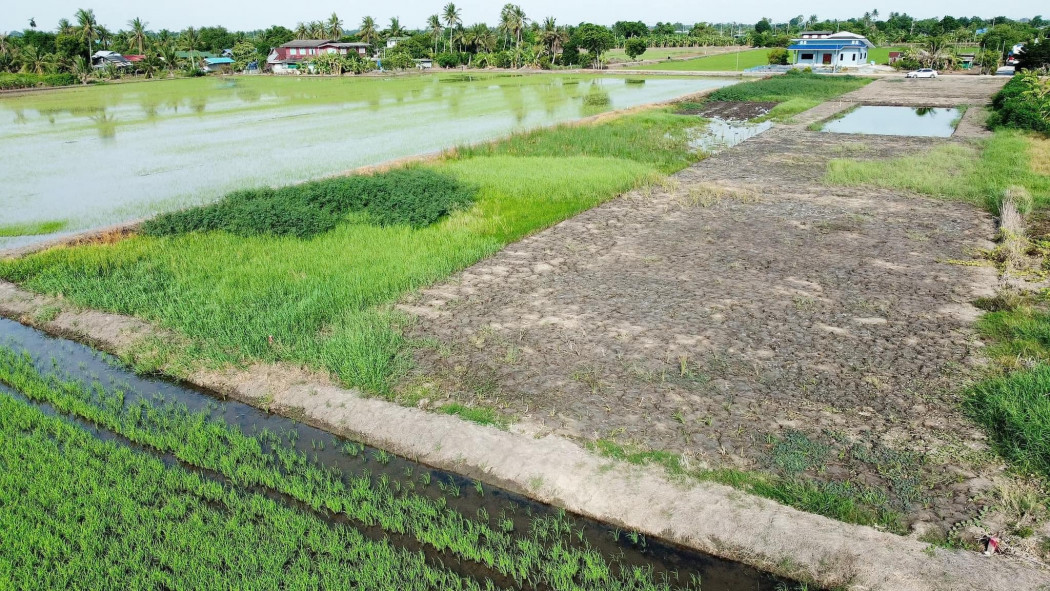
[(911, 121), (107, 154)]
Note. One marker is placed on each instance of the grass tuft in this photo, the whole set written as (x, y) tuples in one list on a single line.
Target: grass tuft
[(32, 229)]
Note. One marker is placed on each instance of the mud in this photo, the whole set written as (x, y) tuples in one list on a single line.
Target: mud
[(731, 110)]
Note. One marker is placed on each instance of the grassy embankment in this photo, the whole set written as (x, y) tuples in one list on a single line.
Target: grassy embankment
[(1011, 403), (726, 62), (87, 511), (794, 92), (619, 55)]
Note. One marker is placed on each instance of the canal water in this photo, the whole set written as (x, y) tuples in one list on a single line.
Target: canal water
[(73, 361), (100, 155)]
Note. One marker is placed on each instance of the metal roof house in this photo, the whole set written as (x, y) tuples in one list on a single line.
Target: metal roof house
[(286, 58), (836, 50), (217, 64), (101, 59)]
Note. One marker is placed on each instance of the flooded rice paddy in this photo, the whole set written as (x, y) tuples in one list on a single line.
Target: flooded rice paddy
[(909, 121), (107, 154), (97, 371)]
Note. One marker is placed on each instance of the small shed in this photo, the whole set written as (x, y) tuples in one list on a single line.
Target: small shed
[(218, 64)]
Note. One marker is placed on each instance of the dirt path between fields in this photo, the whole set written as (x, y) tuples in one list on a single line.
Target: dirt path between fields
[(740, 299)]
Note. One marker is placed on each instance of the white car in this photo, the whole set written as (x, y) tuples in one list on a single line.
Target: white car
[(923, 73)]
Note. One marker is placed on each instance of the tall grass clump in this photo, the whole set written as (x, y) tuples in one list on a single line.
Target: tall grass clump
[(414, 197), (20, 80), (32, 228)]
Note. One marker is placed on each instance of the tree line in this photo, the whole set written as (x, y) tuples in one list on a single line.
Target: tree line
[(516, 40)]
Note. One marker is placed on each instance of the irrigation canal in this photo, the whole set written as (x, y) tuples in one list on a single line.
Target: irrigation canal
[(76, 362)]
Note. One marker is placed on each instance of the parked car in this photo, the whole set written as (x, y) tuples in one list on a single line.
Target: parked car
[(922, 73)]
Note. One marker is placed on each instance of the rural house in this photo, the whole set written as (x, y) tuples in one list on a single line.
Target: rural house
[(832, 50), (287, 57)]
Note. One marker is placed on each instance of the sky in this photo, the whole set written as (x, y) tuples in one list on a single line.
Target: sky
[(260, 14)]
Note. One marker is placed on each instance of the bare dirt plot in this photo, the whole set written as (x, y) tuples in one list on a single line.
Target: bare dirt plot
[(945, 91), (743, 315)]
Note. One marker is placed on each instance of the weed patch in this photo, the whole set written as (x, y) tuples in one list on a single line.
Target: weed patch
[(32, 229), (414, 197)]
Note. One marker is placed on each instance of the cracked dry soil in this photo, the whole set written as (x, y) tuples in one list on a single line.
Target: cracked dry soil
[(739, 309)]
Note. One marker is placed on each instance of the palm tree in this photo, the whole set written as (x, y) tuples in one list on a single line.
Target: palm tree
[(5, 45), (138, 32), (453, 18), (368, 31), (64, 26), (552, 36), (435, 28), (87, 27), (396, 30), (82, 69), (317, 30), (512, 22), (190, 41), (32, 60), (171, 58), (335, 26), (301, 32)]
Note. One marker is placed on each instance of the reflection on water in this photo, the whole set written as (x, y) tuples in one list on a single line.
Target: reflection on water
[(722, 134), (130, 150), (882, 120)]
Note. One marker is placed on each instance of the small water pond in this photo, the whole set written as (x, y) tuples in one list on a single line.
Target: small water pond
[(907, 121), (722, 134), (73, 361)]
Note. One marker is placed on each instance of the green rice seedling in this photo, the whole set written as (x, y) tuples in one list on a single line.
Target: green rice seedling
[(352, 449), (381, 456), (479, 488)]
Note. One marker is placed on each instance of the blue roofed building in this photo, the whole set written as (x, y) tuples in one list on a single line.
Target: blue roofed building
[(830, 50), (217, 64)]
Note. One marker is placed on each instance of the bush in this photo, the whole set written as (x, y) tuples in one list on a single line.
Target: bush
[(635, 47), (15, 81), (1024, 103), (415, 197), (778, 57)]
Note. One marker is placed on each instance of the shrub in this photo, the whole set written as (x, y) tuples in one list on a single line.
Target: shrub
[(415, 197), (635, 47), (15, 81), (778, 57), (1024, 103)]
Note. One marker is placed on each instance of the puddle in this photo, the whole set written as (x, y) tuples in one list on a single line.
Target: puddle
[(726, 133), (910, 121), (78, 362)]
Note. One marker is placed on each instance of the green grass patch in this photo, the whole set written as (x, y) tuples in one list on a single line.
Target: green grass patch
[(481, 416), (1015, 410), (9, 81), (32, 228), (324, 299), (415, 197), (978, 174), (726, 62), (793, 85)]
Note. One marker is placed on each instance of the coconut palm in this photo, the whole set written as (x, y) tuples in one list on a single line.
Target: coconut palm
[(87, 28), (368, 32), (151, 64), (453, 18), (191, 41), (138, 33), (33, 60), (82, 69), (395, 30), (170, 57), (512, 23), (317, 30), (553, 37), (335, 26), (64, 27), (435, 28), (301, 32)]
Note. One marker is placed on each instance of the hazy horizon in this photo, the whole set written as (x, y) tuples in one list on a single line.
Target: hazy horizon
[(115, 14)]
